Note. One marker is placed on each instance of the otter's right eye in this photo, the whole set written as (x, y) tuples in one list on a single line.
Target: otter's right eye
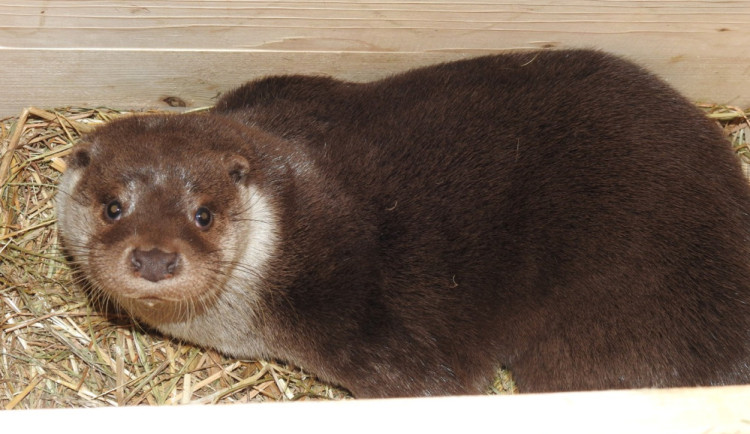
[(203, 218), (113, 210)]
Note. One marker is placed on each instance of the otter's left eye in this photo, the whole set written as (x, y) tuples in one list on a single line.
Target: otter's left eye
[(203, 218), (113, 210)]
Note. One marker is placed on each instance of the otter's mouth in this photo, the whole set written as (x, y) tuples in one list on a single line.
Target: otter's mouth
[(158, 302), (156, 310), (150, 301)]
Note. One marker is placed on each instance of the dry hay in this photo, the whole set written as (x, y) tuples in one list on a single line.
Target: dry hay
[(56, 351)]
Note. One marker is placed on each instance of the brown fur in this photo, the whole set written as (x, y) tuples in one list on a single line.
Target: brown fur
[(565, 214)]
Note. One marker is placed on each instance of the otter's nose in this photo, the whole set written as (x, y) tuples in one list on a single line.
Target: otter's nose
[(154, 264)]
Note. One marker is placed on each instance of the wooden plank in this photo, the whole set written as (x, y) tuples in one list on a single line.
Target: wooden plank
[(130, 54), (684, 411)]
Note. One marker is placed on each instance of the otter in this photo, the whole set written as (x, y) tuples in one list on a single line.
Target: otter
[(565, 214)]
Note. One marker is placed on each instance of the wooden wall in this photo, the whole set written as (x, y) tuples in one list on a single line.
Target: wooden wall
[(135, 54)]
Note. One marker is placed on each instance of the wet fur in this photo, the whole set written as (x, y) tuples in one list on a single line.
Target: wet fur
[(565, 214)]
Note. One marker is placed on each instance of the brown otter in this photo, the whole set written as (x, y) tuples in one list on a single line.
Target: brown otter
[(565, 214)]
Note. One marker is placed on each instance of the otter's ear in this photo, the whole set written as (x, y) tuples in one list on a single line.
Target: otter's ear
[(238, 168), (80, 157)]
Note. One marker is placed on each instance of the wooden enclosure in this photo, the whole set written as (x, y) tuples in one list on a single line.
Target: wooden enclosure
[(137, 54), (159, 54)]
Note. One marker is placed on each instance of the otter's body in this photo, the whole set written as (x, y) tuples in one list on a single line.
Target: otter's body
[(564, 214)]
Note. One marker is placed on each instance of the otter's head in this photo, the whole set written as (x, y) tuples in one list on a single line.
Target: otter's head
[(160, 212)]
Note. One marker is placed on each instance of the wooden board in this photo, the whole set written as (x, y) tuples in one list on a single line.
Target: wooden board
[(135, 54), (683, 411)]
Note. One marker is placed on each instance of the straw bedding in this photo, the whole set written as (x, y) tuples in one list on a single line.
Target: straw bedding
[(57, 351)]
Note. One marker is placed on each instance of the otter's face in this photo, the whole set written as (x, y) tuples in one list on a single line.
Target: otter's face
[(160, 212)]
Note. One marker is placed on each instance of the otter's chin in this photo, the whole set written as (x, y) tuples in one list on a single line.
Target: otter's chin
[(156, 311)]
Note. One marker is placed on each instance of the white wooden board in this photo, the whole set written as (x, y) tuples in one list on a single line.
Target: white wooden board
[(683, 411), (134, 54)]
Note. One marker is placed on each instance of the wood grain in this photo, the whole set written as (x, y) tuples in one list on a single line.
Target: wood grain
[(135, 54)]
